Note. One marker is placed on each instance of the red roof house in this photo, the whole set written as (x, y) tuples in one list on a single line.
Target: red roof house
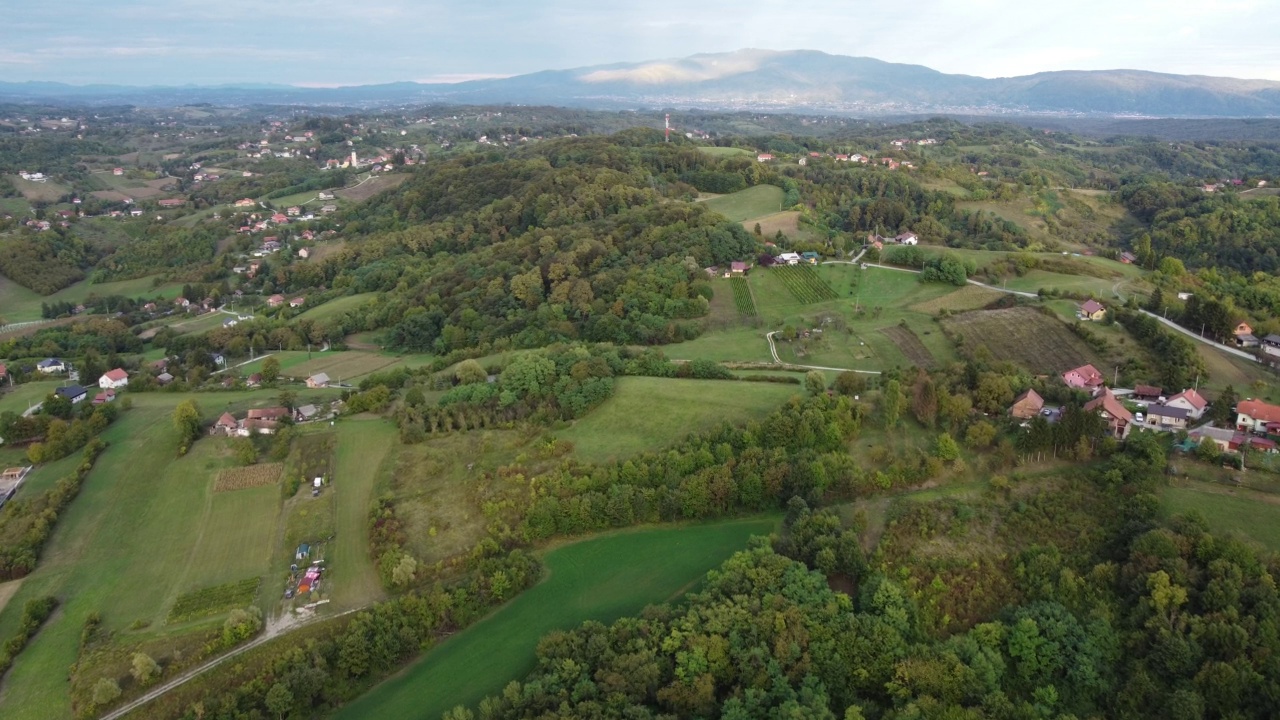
[(1117, 416), (1253, 415), (1085, 377)]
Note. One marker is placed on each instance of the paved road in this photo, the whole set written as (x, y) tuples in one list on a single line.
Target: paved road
[(1224, 348)]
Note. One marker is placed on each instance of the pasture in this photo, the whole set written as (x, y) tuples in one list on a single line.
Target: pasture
[(1041, 343), (340, 366), (23, 396), (787, 222), (140, 501), (739, 344), (1243, 513), (371, 186), (749, 204), (18, 304), (601, 579), (336, 307), (969, 297), (363, 463), (629, 422), (46, 192), (723, 151)]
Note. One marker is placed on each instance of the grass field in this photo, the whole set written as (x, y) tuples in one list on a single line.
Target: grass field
[(909, 345), (749, 204), (200, 323), (38, 191), (372, 186), (741, 344), (140, 502), (1245, 513), (340, 366), (787, 221), (600, 579), (25, 395), (627, 423), (1040, 343), (969, 297), (18, 304), (336, 307), (724, 151), (365, 456)]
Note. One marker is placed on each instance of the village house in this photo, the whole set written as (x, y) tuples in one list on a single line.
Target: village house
[(1243, 328), (1191, 401), (51, 365), (297, 302), (788, 258), (907, 238), (171, 202), (74, 393), (4, 371), (325, 196), (117, 171), (1092, 310), (1254, 416), (113, 379), (246, 202), (293, 210), (1225, 438), (1027, 405), (306, 413), (1146, 393), (104, 397), (226, 424), (164, 378), (1118, 418), (764, 157), (1165, 417), (319, 380), (275, 300), (810, 257), (1271, 346), (1128, 258), (254, 380), (327, 209), (738, 267), (304, 253), (1085, 377)]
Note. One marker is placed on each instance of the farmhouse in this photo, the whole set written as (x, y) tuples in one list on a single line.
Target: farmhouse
[(810, 257), (1167, 418), (1225, 438), (1191, 401), (172, 202), (907, 238), (226, 424), (1085, 377), (297, 302), (1027, 405), (164, 378), (1128, 258), (1118, 418), (305, 413), (1271, 345), (4, 371), (1243, 328), (319, 380), (51, 365), (1092, 310), (74, 393), (738, 268), (247, 202), (113, 379), (304, 253), (104, 397), (1254, 415), (1146, 393), (254, 380), (327, 209), (764, 157), (270, 413), (325, 196), (788, 258), (275, 300)]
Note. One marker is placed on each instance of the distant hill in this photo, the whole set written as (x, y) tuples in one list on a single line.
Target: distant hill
[(758, 79)]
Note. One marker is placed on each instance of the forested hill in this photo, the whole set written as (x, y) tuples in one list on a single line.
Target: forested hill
[(578, 239)]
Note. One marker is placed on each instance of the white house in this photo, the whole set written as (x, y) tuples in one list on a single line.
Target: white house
[(114, 379), (788, 258), (907, 238), (1191, 401), (1255, 415), (51, 365)]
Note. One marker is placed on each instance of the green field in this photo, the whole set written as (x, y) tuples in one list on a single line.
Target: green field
[(18, 304), (631, 422), (336, 307), (1245, 513), (742, 344), (601, 579), (724, 151), (748, 204), (25, 395), (1040, 343), (365, 456)]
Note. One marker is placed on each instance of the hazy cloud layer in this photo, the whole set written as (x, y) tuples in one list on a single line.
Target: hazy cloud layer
[(326, 42)]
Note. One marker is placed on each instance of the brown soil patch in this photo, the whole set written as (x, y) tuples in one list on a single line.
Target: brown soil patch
[(910, 345)]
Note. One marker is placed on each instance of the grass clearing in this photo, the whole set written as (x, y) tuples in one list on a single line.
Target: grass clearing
[(627, 424), (214, 600), (601, 579), (1243, 513), (364, 459), (25, 395), (754, 202), (18, 304), (336, 307), (48, 192), (723, 151), (969, 297), (909, 344), (371, 186), (1042, 344), (340, 366), (741, 344), (786, 222)]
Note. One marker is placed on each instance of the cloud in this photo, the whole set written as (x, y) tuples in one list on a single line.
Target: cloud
[(691, 70)]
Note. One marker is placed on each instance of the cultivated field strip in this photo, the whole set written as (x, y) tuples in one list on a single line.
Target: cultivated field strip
[(742, 296), (250, 476), (803, 283)]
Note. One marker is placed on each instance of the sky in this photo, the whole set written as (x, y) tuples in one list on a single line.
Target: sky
[(352, 42)]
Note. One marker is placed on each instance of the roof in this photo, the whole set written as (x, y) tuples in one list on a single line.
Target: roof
[(227, 419), (308, 410), (164, 377), (3, 370), (1147, 390), (70, 391), (736, 265), (48, 362), (1217, 433), (319, 378), (1031, 395), (1169, 412), (1108, 402), (1259, 410), (266, 413), (116, 375), (1272, 339), (1089, 373), (1091, 306), (1191, 396)]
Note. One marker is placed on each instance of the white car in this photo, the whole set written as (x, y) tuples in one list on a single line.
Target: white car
[(1139, 418)]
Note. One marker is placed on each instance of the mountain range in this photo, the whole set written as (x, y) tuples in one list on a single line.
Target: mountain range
[(802, 80)]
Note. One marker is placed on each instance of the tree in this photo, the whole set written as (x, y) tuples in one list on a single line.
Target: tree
[(144, 668), (470, 371), (279, 700), (1223, 409), (1172, 267), (105, 691), (947, 448), (270, 369), (891, 403), (287, 398), (245, 451), (850, 383), (186, 418), (980, 435), (815, 382), (1155, 303)]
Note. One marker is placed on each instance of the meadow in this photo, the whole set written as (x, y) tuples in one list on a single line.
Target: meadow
[(599, 579), (723, 151), (1252, 515), (754, 202), (336, 307), (1039, 342), (18, 304), (363, 462), (340, 366), (630, 421)]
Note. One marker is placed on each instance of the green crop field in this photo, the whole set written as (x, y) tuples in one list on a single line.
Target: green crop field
[(754, 202), (804, 283), (140, 501), (628, 422), (336, 307), (340, 366), (1249, 514), (1037, 341), (601, 579), (742, 296), (724, 151)]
